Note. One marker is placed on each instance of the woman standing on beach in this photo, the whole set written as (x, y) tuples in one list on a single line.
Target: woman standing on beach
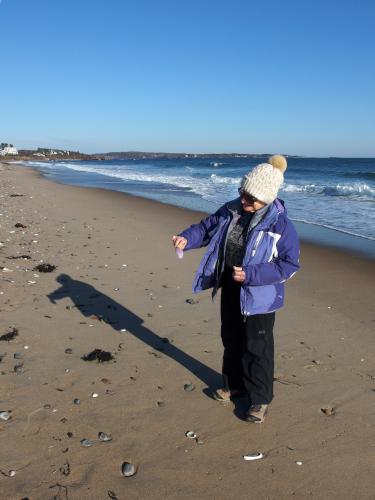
[(252, 250)]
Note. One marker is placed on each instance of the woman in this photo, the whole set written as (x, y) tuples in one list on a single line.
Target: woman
[(252, 250)]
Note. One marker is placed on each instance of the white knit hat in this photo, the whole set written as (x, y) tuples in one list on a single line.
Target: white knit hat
[(264, 181)]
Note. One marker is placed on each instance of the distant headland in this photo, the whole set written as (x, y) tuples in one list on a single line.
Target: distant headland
[(10, 153)]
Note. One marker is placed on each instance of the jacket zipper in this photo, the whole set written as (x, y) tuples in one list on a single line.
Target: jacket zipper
[(257, 242)]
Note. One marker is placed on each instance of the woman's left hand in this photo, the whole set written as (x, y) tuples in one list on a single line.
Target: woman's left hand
[(238, 274)]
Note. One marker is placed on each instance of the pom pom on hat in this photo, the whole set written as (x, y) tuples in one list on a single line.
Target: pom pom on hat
[(279, 162), (264, 181)]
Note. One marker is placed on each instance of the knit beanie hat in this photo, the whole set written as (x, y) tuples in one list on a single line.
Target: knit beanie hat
[(264, 181)]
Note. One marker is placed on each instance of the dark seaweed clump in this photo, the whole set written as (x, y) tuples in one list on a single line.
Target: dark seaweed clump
[(44, 268), (9, 335), (98, 355)]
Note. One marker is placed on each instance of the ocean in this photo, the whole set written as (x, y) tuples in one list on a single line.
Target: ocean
[(332, 200)]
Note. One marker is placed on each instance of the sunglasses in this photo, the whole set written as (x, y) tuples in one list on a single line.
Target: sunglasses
[(250, 200)]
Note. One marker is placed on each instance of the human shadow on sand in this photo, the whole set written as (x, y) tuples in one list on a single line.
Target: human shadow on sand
[(90, 302)]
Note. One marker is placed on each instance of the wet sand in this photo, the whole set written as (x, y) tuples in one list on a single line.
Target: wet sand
[(119, 287)]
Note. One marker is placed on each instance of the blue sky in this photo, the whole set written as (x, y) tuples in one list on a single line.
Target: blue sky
[(286, 76)]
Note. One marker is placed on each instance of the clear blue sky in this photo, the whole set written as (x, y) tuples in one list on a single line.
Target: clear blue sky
[(197, 76)]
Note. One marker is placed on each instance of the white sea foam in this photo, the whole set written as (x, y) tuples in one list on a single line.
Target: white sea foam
[(349, 190)]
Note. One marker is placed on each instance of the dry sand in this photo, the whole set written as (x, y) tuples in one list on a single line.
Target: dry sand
[(116, 270)]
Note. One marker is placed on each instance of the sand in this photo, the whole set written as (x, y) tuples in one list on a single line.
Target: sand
[(118, 286)]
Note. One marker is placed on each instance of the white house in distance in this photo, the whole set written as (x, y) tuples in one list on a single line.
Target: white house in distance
[(7, 149)]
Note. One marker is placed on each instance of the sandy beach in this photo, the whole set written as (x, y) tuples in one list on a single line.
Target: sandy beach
[(119, 287)]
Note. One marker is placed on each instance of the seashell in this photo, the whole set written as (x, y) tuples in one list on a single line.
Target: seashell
[(191, 435), (103, 436), (4, 415), (253, 456), (328, 410), (86, 442), (189, 387), (128, 469), (94, 395), (11, 473), (18, 368), (179, 253)]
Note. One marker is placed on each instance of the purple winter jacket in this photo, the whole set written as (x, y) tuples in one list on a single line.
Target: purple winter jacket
[(271, 257)]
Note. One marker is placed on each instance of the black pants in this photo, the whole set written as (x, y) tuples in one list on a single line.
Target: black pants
[(248, 361)]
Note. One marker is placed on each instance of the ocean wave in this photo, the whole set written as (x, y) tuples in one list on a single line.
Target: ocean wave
[(217, 179), (217, 164), (356, 190), (361, 175)]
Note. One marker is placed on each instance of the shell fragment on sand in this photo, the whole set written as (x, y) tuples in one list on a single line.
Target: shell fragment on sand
[(253, 456), (128, 469)]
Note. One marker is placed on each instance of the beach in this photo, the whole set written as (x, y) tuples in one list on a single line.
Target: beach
[(119, 287)]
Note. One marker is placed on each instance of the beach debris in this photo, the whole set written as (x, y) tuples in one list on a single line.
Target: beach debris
[(9, 335), (5, 415), (96, 316), (10, 473), (161, 404), (328, 410), (253, 456), (128, 469), (44, 268), (47, 406), (18, 368), (6, 269), (68, 350), (15, 195), (14, 257), (17, 355), (76, 401), (69, 434), (86, 443), (189, 387), (2, 356), (19, 224), (112, 495), (191, 435), (165, 340), (192, 301), (98, 355), (103, 436), (316, 361), (65, 469)]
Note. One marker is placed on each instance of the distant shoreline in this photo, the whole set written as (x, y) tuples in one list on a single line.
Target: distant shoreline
[(138, 155)]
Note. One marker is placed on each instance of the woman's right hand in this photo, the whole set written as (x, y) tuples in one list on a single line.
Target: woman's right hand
[(179, 242)]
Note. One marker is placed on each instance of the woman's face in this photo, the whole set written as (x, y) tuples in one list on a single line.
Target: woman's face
[(249, 203)]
